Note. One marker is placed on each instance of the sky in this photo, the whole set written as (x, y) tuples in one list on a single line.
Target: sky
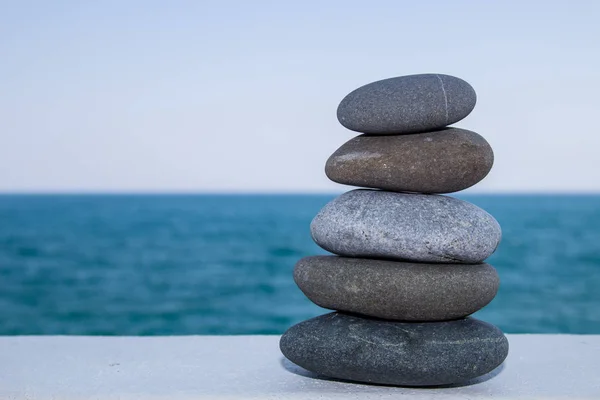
[(241, 96)]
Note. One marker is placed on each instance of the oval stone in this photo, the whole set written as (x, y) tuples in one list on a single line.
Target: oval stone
[(442, 161), (396, 290), (414, 227), (407, 104), (395, 353)]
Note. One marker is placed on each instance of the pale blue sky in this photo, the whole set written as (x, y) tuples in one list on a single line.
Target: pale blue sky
[(242, 95)]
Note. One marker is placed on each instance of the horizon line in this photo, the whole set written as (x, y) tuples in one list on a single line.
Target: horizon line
[(275, 193)]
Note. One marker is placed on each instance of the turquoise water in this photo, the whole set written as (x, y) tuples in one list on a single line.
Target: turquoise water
[(153, 265)]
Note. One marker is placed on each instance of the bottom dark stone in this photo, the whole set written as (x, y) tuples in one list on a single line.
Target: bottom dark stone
[(369, 350)]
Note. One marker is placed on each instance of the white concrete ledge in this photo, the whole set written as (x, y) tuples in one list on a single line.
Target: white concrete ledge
[(251, 367)]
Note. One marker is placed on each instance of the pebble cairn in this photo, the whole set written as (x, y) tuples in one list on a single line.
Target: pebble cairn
[(408, 269)]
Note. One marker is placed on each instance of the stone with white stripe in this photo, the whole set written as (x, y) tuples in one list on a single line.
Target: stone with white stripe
[(407, 104)]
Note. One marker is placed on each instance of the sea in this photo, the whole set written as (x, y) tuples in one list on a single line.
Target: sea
[(222, 264)]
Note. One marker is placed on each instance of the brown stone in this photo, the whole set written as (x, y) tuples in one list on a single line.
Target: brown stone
[(441, 161)]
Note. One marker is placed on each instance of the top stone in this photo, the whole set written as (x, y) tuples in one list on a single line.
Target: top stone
[(407, 104)]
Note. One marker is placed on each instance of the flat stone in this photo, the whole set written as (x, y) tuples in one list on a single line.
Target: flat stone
[(407, 104), (413, 227), (397, 290), (441, 161), (361, 349)]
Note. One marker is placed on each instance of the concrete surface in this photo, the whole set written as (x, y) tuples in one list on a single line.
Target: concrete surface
[(251, 367)]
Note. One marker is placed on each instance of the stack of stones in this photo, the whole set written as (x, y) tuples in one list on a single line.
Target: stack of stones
[(408, 269)]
